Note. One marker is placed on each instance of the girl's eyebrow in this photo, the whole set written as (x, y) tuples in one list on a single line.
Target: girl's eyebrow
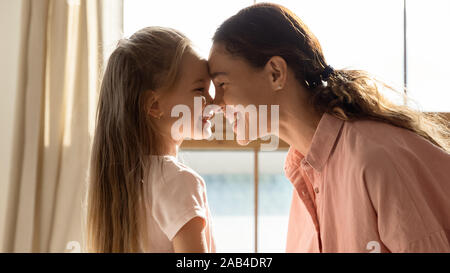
[(198, 81), (201, 80), (216, 74)]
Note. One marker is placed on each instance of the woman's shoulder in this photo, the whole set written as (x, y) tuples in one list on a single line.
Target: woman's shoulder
[(375, 131), (364, 133), (378, 143)]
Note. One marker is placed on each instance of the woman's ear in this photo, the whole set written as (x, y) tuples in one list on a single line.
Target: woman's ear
[(152, 106), (277, 70)]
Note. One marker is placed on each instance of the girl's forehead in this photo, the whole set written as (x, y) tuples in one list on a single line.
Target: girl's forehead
[(193, 66)]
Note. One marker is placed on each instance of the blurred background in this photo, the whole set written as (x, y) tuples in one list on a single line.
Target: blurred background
[(53, 53)]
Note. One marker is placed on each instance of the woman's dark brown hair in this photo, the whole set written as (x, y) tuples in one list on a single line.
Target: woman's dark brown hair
[(264, 30)]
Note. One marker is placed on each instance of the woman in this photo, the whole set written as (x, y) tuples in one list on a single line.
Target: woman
[(141, 199), (369, 175)]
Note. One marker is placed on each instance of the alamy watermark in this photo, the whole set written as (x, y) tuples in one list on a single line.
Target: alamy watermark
[(249, 122)]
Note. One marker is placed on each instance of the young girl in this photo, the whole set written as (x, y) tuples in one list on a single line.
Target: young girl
[(140, 198)]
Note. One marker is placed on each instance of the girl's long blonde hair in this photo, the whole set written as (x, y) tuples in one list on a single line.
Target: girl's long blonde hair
[(125, 136), (264, 30)]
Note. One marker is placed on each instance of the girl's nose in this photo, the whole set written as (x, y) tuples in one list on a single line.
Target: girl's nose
[(218, 99), (208, 98), (204, 101)]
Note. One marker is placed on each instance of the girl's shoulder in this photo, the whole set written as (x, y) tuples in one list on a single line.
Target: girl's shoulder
[(168, 170)]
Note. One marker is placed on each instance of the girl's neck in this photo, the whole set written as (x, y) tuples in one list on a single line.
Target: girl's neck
[(170, 148), (172, 151)]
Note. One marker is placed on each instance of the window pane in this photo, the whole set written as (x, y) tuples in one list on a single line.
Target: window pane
[(275, 194), (230, 188), (197, 19), (428, 47), (358, 34)]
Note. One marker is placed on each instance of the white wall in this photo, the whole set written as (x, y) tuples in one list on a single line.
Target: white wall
[(10, 26)]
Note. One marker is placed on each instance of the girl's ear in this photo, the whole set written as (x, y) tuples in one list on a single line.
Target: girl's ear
[(152, 106)]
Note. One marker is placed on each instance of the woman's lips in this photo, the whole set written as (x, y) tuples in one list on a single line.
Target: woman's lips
[(237, 117)]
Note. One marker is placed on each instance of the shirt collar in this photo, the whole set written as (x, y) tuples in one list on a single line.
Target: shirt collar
[(322, 143)]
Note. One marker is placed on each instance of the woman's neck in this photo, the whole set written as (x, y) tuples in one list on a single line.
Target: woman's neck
[(298, 118)]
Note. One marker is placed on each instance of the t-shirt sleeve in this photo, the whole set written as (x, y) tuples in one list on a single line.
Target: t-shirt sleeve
[(176, 200), (406, 222)]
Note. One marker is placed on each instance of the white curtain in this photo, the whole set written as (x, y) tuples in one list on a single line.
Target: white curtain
[(64, 44)]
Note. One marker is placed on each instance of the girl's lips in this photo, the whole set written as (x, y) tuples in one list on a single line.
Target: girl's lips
[(206, 123), (207, 118)]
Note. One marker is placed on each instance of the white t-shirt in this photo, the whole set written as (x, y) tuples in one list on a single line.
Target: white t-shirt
[(176, 194)]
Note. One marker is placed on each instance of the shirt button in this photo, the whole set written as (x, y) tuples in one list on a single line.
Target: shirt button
[(316, 190)]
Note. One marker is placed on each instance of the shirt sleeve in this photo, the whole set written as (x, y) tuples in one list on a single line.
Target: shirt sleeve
[(177, 200), (405, 214)]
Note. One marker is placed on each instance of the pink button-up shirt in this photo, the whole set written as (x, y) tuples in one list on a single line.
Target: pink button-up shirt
[(368, 186)]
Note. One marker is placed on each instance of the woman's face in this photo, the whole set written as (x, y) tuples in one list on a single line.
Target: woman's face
[(192, 82), (238, 83)]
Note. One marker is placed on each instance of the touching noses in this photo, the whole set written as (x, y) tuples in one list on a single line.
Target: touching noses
[(218, 98)]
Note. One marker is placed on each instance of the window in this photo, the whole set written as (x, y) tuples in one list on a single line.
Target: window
[(358, 34), (428, 54), (229, 178), (197, 19), (371, 35), (367, 35), (239, 215), (274, 200)]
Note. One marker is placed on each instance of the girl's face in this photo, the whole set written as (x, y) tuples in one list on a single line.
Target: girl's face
[(192, 84)]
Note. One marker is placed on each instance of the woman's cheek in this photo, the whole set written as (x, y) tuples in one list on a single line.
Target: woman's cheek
[(231, 97)]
